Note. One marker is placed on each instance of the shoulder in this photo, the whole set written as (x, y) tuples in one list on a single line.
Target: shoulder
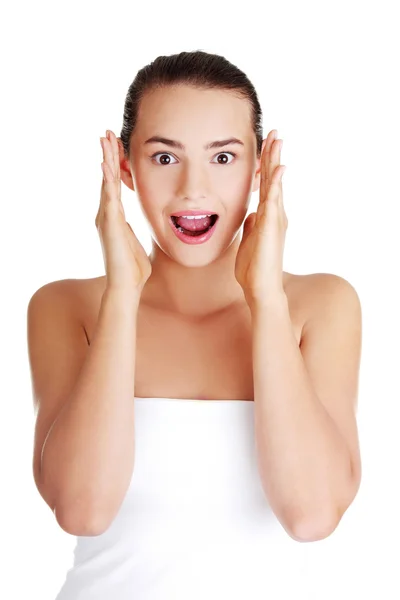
[(322, 289), (54, 291), (72, 294), (329, 298), (318, 296), (310, 289)]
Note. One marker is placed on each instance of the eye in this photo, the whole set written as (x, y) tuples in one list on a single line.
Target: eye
[(225, 153), (170, 155), (162, 154)]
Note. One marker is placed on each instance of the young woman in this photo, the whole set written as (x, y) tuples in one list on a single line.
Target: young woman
[(196, 408)]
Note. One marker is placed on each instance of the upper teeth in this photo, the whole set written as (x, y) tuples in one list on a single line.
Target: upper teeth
[(195, 217)]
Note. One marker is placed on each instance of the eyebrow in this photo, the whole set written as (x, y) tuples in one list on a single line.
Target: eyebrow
[(176, 144)]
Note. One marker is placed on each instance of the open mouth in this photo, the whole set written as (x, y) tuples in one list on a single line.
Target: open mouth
[(197, 232)]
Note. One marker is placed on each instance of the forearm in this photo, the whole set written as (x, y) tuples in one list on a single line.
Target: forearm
[(88, 456), (304, 462)]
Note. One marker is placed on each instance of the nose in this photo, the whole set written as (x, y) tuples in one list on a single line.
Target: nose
[(193, 183)]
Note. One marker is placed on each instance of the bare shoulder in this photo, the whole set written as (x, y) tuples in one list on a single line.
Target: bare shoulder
[(324, 287), (327, 296), (77, 294), (54, 292), (313, 295)]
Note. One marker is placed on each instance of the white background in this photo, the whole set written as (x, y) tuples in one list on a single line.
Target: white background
[(326, 76)]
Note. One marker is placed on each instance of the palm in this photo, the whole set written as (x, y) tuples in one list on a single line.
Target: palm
[(246, 258), (258, 266)]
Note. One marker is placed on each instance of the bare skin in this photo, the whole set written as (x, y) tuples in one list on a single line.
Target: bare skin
[(180, 357), (187, 330), (194, 324)]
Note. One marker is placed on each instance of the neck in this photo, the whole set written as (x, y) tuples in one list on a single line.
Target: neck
[(193, 291)]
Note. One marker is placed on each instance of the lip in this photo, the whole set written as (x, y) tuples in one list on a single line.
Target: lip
[(192, 213), (196, 239)]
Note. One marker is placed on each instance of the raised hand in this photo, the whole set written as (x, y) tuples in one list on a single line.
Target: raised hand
[(127, 265), (259, 260)]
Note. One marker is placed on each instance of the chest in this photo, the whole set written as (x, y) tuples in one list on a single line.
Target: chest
[(207, 360), (210, 359)]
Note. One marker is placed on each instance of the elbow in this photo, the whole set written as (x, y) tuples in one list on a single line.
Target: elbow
[(314, 528), (81, 524)]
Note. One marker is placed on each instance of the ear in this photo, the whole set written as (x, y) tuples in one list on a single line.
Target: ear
[(126, 175), (257, 176)]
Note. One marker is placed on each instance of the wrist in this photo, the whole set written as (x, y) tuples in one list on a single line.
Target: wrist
[(273, 301), (125, 296)]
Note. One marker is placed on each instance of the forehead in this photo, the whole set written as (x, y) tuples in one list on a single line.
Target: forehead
[(179, 110)]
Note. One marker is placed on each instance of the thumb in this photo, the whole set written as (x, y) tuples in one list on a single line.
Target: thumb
[(249, 224)]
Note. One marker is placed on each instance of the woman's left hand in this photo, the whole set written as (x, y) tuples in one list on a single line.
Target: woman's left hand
[(259, 260)]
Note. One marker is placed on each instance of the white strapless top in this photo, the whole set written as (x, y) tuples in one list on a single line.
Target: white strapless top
[(195, 523)]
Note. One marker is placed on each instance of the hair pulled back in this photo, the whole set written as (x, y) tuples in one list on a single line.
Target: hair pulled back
[(198, 69)]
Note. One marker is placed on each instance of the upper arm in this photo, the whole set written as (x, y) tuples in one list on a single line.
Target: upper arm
[(331, 349), (57, 347)]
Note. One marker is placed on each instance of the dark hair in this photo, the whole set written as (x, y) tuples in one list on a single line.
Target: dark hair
[(198, 69)]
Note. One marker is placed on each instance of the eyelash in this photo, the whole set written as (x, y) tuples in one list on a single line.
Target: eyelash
[(168, 154)]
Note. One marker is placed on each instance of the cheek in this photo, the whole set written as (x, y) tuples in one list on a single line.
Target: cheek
[(155, 181), (148, 187), (238, 185), (237, 201), (236, 179)]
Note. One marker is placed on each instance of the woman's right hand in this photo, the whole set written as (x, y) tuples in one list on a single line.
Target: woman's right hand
[(127, 265)]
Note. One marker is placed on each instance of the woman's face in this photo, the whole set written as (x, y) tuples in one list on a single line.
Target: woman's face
[(186, 174)]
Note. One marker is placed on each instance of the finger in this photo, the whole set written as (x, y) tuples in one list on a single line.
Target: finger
[(265, 158), (108, 176), (115, 151), (108, 156), (275, 187), (282, 172), (275, 157), (274, 195), (103, 193)]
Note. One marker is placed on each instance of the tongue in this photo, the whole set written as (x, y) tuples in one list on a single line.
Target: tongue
[(194, 224)]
